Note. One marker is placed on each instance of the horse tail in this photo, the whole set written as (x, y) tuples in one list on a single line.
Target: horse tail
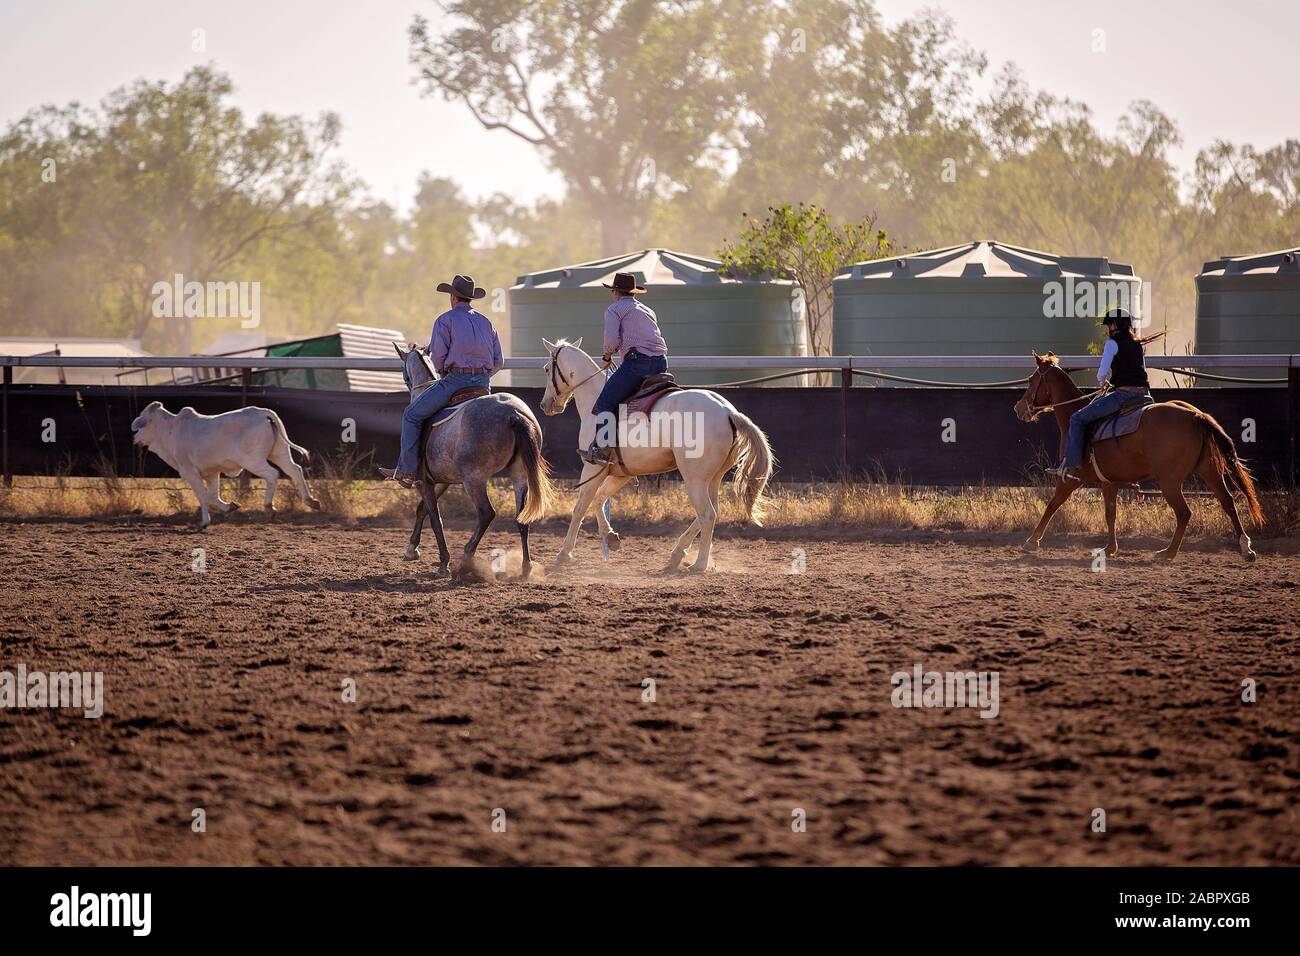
[(1223, 452), (277, 426), (753, 466), (528, 448)]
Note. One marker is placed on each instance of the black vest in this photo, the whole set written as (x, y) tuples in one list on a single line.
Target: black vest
[(1128, 369)]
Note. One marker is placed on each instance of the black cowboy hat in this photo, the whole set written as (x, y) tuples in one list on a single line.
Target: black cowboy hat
[(1120, 318), (624, 282), (463, 286)]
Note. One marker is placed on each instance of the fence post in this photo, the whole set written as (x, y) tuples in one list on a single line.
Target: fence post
[(846, 382), (8, 380), (1292, 419)]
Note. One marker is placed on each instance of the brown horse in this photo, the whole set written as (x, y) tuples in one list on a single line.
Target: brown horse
[(1174, 440)]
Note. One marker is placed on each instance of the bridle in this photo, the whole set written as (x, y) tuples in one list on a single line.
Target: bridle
[(556, 371), (1035, 409), (406, 376)]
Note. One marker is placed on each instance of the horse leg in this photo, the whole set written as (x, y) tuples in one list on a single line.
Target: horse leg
[(609, 487), (435, 521), (520, 475), (701, 495), (1109, 492), (1063, 491), (413, 548), (1213, 479), (586, 494), (1172, 489), (477, 491)]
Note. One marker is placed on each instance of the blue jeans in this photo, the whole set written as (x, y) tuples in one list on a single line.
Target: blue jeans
[(623, 384), (1099, 407), (429, 403)]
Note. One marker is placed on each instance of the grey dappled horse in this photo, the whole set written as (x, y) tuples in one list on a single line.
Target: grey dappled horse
[(482, 437)]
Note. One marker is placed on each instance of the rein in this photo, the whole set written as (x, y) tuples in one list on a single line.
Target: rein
[(556, 370), (1035, 409)]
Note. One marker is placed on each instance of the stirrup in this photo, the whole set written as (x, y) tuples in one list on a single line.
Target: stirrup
[(404, 478), (596, 455), (1062, 472)]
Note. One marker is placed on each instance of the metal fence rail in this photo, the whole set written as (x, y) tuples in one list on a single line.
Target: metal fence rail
[(817, 433), (825, 362)]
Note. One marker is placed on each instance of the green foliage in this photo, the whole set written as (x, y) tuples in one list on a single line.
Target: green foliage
[(804, 243), (666, 122)]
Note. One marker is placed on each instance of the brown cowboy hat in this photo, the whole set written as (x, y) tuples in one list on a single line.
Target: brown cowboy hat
[(624, 282), (463, 286)]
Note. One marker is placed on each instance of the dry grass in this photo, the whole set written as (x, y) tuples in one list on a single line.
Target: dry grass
[(830, 507)]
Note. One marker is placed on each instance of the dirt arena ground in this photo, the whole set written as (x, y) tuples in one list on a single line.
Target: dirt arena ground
[(224, 691)]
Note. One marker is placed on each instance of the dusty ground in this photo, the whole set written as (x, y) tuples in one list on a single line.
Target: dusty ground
[(224, 692)]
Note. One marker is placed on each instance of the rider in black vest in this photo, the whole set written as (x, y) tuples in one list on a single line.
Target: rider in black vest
[(1121, 359)]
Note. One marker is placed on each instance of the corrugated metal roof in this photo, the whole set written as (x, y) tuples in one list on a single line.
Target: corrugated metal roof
[(25, 345), (361, 341), (985, 259), (652, 267), (1284, 261)]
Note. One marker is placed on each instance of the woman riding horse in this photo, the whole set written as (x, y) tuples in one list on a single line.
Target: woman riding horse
[(1123, 360)]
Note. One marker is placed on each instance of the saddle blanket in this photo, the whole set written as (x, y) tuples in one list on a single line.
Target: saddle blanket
[(1121, 423), (458, 402), (652, 388)]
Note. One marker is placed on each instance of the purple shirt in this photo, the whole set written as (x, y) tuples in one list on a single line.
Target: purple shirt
[(463, 339), (629, 324)]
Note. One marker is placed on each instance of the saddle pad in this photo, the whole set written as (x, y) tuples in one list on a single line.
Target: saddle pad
[(458, 402), (644, 401), (1124, 422)]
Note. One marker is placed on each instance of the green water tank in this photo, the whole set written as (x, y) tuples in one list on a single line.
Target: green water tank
[(700, 311), (1249, 304), (978, 298)]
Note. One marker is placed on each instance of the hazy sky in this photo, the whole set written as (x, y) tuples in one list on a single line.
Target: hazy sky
[(1221, 70)]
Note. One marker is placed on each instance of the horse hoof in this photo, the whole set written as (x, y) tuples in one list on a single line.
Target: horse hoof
[(412, 554), (526, 571), (1112, 552), (1250, 556), (612, 542), (564, 557), (314, 503), (443, 571), (1029, 545), (1164, 555), (233, 506)]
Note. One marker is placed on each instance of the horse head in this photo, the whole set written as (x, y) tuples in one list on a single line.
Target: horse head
[(561, 370), (1040, 390), (417, 368)]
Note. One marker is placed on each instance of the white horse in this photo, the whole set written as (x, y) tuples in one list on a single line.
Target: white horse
[(723, 438)]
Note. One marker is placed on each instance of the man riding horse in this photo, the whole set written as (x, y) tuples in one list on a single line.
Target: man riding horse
[(1123, 361), (632, 330), (465, 352)]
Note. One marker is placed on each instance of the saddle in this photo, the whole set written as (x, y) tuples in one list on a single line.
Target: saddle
[(651, 389), (452, 409), (1123, 421)]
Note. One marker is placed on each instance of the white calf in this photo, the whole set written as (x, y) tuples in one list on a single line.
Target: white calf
[(205, 447)]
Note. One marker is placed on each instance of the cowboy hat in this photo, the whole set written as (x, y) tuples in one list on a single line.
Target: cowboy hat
[(463, 286), (624, 282)]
